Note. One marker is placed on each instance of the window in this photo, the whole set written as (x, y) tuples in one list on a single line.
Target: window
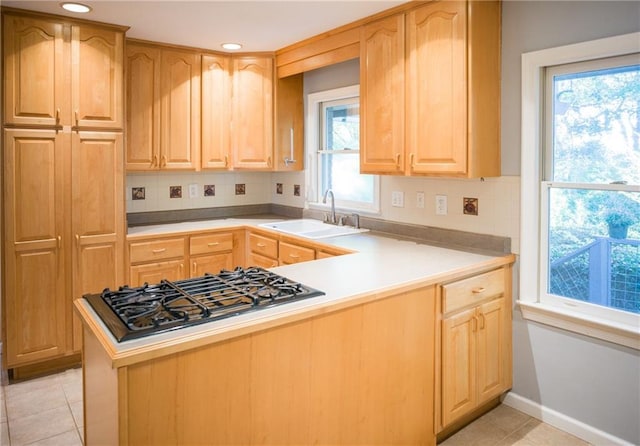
[(333, 141), (581, 170)]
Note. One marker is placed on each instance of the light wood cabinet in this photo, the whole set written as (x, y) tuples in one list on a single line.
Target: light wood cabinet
[(289, 253), (63, 179), (163, 108), (263, 250), (211, 253), (216, 111), (288, 150), (430, 82), (36, 283), (252, 112), (150, 261), (475, 343)]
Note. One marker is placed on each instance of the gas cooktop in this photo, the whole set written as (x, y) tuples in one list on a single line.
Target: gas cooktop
[(134, 312)]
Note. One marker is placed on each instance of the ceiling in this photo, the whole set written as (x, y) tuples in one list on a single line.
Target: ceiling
[(257, 25)]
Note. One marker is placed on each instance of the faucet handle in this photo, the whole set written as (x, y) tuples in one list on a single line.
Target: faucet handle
[(356, 220)]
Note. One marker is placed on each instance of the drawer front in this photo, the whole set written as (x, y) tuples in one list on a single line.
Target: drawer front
[(473, 290), (156, 250), (264, 246), (295, 254), (211, 243), (262, 261)]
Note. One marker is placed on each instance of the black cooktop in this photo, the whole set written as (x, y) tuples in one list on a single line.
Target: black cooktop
[(134, 312)]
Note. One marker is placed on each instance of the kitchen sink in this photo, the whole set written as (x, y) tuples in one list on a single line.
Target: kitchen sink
[(312, 229)]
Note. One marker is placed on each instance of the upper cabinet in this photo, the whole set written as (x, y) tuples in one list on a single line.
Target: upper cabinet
[(252, 112), (216, 111), (430, 85), (46, 59), (288, 143), (163, 108)]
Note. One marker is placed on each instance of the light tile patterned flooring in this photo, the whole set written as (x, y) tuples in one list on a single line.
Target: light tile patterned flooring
[(48, 412)]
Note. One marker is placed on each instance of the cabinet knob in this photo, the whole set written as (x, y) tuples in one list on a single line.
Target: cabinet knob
[(57, 116), (195, 267), (163, 161), (398, 160), (59, 238), (154, 161), (226, 161), (411, 158), (481, 317), (77, 120), (158, 251), (478, 290)]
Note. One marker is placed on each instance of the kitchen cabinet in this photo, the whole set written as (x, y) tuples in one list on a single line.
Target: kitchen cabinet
[(430, 104), (45, 59), (150, 261), (36, 249), (163, 108), (263, 250), (476, 346), (211, 253), (289, 253), (216, 111), (63, 180), (288, 150), (252, 112)]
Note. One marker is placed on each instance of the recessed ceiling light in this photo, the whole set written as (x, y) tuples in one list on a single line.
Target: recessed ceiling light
[(75, 7), (231, 46)]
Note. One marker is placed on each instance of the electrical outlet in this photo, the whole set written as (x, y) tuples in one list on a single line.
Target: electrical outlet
[(397, 199), (420, 200), (441, 205), (193, 191)]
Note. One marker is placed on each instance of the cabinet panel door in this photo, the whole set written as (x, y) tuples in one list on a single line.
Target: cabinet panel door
[(180, 111), (458, 365), (154, 272), (34, 240), (96, 77), (34, 81), (216, 103), (212, 264), (98, 217), (491, 355), (252, 113), (143, 107), (437, 89), (382, 96)]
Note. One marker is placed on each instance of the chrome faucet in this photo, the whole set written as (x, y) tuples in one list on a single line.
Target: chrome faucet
[(333, 205)]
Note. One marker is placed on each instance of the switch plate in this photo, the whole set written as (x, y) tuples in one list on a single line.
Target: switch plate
[(193, 191), (420, 200), (441, 205), (397, 199)]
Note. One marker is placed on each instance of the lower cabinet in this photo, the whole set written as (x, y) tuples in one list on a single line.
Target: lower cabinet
[(154, 272), (211, 253), (475, 342), (153, 260), (262, 250), (290, 253)]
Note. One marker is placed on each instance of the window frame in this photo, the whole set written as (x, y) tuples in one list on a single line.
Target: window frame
[(312, 152), (592, 320)]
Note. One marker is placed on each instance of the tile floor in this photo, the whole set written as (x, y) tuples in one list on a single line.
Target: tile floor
[(48, 411)]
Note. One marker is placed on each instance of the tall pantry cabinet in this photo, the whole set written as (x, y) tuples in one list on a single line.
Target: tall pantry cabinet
[(63, 182)]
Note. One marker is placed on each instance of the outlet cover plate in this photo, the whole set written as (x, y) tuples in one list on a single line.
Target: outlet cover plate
[(441, 205), (420, 200), (397, 199)]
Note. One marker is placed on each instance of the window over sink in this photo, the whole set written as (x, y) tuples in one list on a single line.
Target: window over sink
[(333, 150)]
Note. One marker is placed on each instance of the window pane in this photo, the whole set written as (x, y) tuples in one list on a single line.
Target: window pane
[(596, 126), (341, 173), (594, 247), (342, 126)]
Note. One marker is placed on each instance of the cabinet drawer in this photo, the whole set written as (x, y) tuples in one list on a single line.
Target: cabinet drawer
[(262, 261), (472, 290), (211, 243), (264, 246), (295, 254), (156, 250)]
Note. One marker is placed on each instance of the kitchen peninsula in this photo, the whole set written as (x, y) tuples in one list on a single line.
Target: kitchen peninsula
[(371, 361)]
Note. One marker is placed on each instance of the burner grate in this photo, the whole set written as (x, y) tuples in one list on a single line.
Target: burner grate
[(141, 311)]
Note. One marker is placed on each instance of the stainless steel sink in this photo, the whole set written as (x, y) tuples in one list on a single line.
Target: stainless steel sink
[(312, 229)]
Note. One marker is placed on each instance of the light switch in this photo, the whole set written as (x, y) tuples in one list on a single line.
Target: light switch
[(397, 199), (441, 205)]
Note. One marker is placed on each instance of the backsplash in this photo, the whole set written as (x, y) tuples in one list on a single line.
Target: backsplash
[(496, 200)]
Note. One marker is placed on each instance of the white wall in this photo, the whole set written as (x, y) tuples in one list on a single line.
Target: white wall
[(586, 380)]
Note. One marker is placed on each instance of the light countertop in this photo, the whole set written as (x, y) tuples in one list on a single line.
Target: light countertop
[(380, 266)]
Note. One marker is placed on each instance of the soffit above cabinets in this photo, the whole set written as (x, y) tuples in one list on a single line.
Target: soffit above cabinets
[(258, 25)]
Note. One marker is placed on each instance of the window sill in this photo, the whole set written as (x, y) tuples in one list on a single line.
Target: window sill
[(621, 334)]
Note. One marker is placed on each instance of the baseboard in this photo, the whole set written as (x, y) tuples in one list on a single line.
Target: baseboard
[(563, 422)]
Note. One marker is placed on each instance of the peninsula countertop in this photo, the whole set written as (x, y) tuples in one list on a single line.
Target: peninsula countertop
[(379, 267)]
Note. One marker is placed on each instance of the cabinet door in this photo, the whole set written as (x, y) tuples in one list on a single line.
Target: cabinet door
[(254, 259), (252, 113), (493, 365), (143, 107), (216, 103), (154, 272), (96, 77), (180, 110), (98, 217), (212, 264), (458, 365), (34, 245), (34, 72), (437, 89), (288, 150), (382, 96)]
